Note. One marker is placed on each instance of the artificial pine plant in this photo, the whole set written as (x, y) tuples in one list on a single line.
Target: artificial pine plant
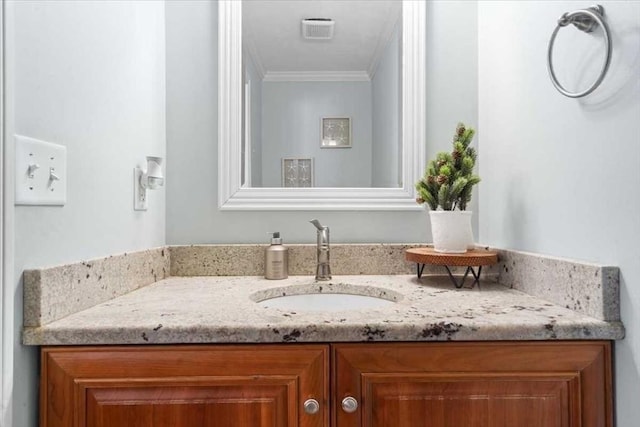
[(449, 178)]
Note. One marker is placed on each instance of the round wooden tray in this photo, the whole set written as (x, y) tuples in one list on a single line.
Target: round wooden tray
[(473, 257)]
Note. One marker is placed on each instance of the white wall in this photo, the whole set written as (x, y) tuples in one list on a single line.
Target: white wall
[(192, 214), (90, 76), (561, 176), (386, 87), (291, 114)]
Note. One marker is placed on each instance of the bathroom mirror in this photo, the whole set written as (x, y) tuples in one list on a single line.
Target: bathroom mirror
[(332, 136)]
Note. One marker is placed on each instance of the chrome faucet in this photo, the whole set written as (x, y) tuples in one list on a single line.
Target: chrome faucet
[(323, 269)]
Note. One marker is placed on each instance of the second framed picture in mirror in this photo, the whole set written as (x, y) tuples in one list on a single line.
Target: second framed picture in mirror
[(335, 132)]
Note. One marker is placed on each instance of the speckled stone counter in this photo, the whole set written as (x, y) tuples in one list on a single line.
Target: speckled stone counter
[(224, 309), (53, 293)]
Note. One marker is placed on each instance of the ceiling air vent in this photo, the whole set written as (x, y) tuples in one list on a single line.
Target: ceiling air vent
[(317, 28)]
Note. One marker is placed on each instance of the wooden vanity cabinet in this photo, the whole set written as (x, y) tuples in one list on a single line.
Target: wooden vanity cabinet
[(540, 384), (184, 386), (505, 384)]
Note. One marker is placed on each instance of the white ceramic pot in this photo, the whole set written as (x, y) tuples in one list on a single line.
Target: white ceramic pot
[(451, 231)]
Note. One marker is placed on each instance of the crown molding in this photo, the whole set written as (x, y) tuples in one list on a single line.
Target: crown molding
[(254, 56), (383, 42), (316, 76)]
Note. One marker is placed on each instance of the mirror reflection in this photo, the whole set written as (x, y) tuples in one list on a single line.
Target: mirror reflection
[(322, 93)]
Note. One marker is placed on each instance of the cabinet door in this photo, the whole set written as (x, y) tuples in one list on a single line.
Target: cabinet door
[(176, 386), (474, 384)]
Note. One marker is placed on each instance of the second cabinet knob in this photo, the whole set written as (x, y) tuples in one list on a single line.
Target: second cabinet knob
[(349, 404), (311, 406)]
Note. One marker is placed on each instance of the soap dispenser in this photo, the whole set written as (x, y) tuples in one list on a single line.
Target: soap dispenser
[(276, 259)]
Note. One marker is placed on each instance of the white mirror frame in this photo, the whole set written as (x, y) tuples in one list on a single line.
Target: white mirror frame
[(233, 196)]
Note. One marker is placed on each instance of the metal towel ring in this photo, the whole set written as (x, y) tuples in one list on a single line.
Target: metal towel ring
[(585, 20)]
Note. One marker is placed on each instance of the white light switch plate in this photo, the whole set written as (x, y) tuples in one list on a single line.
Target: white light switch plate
[(41, 172)]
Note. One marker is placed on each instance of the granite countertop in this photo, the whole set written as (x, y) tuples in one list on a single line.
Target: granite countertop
[(223, 309)]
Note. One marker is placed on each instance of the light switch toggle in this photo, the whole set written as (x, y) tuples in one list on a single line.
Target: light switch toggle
[(52, 175), (32, 168)]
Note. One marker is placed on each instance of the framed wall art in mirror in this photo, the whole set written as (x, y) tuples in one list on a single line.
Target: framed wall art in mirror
[(335, 132), (366, 189), (297, 172)]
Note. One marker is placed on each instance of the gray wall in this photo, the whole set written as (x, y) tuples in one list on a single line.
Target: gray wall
[(89, 76), (386, 86), (192, 214), (452, 77), (561, 176), (256, 121), (291, 114)]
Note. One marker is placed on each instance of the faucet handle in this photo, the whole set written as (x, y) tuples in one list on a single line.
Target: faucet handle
[(317, 224)]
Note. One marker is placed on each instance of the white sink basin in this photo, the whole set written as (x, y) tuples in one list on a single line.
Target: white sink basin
[(326, 297)]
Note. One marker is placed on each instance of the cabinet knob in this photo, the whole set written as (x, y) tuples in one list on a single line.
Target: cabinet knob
[(349, 404), (311, 406)]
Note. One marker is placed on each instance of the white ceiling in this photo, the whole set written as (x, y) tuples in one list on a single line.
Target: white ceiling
[(272, 35)]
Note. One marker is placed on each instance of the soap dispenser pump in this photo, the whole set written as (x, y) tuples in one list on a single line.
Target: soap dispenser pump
[(276, 259)]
